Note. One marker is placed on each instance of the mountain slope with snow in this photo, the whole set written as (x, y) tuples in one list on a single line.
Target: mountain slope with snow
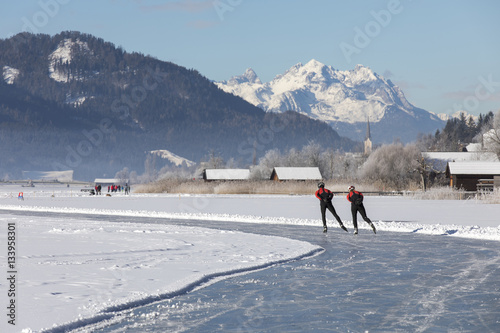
[(61, 58), (10, 74), (172, 158), (60, 93), (344, 99)]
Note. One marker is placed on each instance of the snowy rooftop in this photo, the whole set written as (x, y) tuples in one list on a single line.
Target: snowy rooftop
[(227, 174), (462, 156), (307, 173), (474, 168)]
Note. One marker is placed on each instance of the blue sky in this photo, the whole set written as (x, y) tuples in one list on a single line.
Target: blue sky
[(445, 55)]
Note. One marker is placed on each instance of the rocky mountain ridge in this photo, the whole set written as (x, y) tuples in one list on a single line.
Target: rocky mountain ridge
[(345, 100)]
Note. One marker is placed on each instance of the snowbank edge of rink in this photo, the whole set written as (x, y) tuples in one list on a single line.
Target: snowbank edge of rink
[(473, 232)]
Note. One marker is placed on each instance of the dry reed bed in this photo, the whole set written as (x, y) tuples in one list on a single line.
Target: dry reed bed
[(183, 186)]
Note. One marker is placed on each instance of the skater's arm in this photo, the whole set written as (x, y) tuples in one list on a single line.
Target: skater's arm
[(317, 195)]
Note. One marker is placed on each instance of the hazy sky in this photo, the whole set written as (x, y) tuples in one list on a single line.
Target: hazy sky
[(445, 55)]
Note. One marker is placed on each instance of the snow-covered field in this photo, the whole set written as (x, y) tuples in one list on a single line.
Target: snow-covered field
[(70, 269)]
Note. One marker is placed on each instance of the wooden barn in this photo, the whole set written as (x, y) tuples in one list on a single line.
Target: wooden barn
[(468, 175), (307, 173), (226, 174)]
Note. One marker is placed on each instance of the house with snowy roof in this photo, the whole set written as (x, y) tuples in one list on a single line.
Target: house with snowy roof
[(296, 173), (226, 174), (439, 160), (471, 176)]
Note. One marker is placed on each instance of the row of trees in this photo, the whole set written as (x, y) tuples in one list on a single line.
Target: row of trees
[(456, 133)]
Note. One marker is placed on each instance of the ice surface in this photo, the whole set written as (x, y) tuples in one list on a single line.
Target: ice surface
[(393, 282), (81, 255)]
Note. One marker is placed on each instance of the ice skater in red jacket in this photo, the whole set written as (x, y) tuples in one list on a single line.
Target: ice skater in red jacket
[(325, 198), (356, 199)]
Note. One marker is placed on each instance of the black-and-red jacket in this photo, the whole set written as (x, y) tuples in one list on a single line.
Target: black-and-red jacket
[(355, 197), (324, 194)]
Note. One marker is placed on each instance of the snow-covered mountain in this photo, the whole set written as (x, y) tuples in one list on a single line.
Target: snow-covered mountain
[(74, 87), (172, 158), (458, 115), (344, 99)]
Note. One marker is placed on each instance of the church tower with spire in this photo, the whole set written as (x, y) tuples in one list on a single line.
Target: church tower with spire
[(368, 139)]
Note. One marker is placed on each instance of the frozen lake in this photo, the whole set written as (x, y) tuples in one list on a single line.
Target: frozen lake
[(390, 282), (193, 263)]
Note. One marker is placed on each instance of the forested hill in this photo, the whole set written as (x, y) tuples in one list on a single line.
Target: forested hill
[(75, 101)]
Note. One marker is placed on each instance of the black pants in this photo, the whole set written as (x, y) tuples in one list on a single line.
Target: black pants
[(361, 209), (324, 206)]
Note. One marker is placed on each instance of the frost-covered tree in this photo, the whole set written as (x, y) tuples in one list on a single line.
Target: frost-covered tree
[(263, 170), (491, 138), (393, 166), (339, 165), (123, 175), (312, 155), (272, 158), (293, 158), (215, 161)]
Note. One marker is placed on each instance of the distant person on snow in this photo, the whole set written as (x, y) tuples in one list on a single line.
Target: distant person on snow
[(356, 199), (325, 199)]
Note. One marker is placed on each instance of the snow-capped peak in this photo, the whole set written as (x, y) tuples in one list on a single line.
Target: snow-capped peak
[(361, 75), (314, 65), (458, 115), (251, 76)]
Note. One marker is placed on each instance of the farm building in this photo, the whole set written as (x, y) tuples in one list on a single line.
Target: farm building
[(226, 174), (284, 173), (471, 175)]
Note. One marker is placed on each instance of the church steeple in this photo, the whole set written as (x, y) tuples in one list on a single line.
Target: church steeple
[(368, 139), (368, 135)]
